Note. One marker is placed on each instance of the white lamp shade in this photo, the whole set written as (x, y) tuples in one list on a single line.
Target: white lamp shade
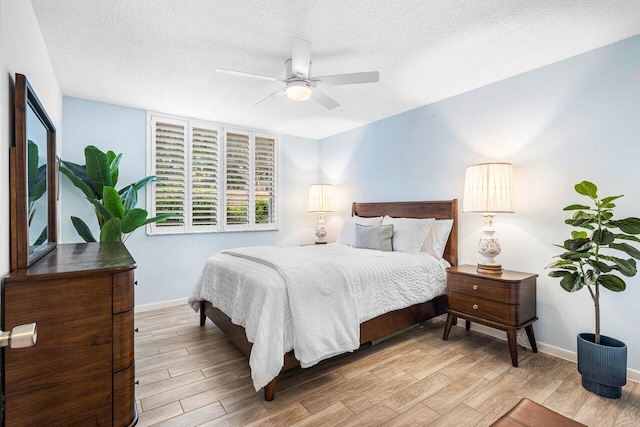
[(321, 198), (488, 188)]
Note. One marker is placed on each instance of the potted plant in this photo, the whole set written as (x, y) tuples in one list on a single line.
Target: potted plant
[(589, 261), (115, 209)]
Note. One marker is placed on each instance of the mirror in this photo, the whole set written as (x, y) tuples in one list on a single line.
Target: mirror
[(33, 179)]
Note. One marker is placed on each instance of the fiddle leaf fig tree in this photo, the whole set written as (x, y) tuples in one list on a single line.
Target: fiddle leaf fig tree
[(115, 209), (597, 257)]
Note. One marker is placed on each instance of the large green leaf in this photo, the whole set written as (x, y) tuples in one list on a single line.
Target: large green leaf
[(42, 237), (97, 169), (129, 198), (82, 229), (602, 237), (627, 237), (112, 202), (628, 225), (601, 266), (575, 207), (572, 282), (613, 283), (158, 218), (38, 187), (579, 235), (78, 170), (111, 230), (587, 188), (138, 185), (625, 247), (84, 187), (578, 245), (32, 161), (610, 199), (133, 219), (114, 163), (100, 209)]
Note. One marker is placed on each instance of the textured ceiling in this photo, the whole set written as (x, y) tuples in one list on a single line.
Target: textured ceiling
[(161, 55)]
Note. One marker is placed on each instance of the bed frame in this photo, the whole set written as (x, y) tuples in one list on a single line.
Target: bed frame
[(384, 324)]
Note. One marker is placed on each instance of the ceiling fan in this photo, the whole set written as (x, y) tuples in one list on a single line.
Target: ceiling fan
[(299, 85)]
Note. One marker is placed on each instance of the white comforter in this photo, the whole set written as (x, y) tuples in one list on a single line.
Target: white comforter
[(312, 298)]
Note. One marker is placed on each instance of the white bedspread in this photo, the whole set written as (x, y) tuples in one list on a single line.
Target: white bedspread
[(312, 298)]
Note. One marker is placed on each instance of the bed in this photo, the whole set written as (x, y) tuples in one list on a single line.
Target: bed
[(374, 328)]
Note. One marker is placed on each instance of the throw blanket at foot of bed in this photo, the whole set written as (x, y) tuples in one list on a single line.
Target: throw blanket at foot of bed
[(321, 298)]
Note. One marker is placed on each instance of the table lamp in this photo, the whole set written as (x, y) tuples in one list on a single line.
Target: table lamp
[(488, 190), (321, 201)]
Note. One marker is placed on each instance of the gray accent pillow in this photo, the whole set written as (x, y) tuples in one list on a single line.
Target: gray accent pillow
[(376, 237)]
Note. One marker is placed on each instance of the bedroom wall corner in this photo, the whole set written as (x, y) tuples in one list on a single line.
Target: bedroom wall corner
[(169, 265), (560, 124)]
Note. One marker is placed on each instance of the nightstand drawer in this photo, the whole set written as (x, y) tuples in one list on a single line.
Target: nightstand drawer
[(484, 308), (484, 288), (123, 341)]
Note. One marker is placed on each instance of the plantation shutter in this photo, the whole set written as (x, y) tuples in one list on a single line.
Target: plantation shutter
[(204, 178), (169, 163), (238, 179), (265, 180)]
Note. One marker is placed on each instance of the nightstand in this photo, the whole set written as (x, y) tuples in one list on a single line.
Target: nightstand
[(504, 301)]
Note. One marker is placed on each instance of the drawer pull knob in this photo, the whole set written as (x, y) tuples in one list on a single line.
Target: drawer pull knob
[(475, 286), (138, 382), (136, 330), (135, 283), (475, 306)]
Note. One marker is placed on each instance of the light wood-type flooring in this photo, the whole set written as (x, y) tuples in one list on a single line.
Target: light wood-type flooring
[(191, 375)]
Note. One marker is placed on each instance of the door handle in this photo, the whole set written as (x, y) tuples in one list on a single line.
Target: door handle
[(20, 337)]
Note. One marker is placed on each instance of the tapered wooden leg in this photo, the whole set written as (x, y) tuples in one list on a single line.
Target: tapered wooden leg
[(513, 349), (467, 324), (450, 319), (532, 338), (203, 317), (270, 390)]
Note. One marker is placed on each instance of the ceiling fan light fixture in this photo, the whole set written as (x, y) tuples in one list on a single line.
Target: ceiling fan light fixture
[(298, 90)]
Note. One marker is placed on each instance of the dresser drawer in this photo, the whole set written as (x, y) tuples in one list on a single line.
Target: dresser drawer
[(122, 340), (123, 291), (486, 309), (484, 288), (124, 398)]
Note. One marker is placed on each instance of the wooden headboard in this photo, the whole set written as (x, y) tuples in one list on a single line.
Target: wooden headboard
[(443, 209)]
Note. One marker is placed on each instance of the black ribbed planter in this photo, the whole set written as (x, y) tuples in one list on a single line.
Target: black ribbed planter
[(603, 366)]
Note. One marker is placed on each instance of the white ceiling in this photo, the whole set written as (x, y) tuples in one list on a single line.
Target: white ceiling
[(161, 55)]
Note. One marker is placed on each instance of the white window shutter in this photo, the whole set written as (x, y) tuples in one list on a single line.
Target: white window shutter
[(265, 179), (169, 139), (204, 178), (237, 179)]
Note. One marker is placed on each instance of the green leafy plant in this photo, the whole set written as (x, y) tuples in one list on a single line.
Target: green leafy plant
[(588, 260), (36, 185), (115, 209)]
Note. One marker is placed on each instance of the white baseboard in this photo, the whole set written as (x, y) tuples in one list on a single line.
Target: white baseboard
[(161, 304), (551, 350)]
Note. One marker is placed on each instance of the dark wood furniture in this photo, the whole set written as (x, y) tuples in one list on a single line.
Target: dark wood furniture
[(384, 324), (27, 106), (532, 414), (504, 301), (81, 370)]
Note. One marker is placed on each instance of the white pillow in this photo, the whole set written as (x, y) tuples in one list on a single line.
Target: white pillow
[(348, 233), (437, 238), (409, 233)]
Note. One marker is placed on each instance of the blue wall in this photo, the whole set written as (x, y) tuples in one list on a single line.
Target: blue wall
[(168, 266), (570, 121)]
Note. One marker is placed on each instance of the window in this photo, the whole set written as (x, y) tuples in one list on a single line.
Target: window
[(211, 178)]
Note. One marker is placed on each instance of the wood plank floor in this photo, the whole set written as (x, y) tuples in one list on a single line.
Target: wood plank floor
[(191, 376)]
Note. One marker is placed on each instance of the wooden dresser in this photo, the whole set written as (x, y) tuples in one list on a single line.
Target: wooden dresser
[(81, 370), (504, 301)]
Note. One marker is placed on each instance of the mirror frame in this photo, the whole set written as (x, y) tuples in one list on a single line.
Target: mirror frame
[(21, 257)]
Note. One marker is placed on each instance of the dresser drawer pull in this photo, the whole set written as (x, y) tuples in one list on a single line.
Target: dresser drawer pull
[(475, 286), (135, 283), (136, 330), (475, 306), (138, 382)]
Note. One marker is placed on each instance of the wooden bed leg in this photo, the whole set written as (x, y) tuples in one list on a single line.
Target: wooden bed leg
[(270, 390), (203, 317)]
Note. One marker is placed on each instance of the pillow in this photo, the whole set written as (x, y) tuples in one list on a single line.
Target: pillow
[(437, 238), (348, 233), (376, 237), (408, 233)]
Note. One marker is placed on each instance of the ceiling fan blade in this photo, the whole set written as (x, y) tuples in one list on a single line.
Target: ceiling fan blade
[(268, 99), (300, 57), (323, 99), (348, 79), (251, 75)]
